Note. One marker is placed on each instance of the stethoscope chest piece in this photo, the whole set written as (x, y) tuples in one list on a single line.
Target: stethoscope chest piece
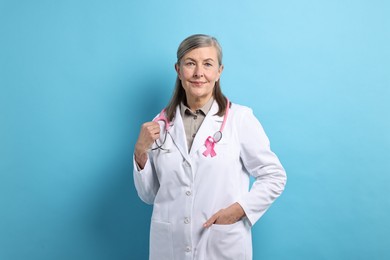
[(217, 136), (210, 141)]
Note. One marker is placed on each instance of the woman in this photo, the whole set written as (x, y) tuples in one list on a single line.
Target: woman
[(193, 163)]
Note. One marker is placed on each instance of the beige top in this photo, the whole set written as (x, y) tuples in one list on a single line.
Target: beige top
[(193, 120)]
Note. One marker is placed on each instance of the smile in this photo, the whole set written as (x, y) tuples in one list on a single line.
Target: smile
[(197, 83)]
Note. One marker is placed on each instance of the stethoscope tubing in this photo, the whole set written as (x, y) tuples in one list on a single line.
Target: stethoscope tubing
[(215, 138)]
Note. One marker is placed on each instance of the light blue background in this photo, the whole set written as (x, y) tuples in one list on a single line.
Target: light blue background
[(77, 79)]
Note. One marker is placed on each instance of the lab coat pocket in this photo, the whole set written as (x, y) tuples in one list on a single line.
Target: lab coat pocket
[(227, 242), (161, 244)]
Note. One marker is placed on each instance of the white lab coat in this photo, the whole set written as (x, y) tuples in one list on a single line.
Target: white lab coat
[(187, 188)]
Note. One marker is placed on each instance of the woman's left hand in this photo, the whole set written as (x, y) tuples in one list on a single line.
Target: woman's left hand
[(227, 216)]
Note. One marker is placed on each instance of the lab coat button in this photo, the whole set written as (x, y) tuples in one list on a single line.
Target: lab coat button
[(188, 249), (188, 193), (187, 220)]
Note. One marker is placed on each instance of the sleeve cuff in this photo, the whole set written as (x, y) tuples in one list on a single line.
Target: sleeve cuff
[(251, 219)]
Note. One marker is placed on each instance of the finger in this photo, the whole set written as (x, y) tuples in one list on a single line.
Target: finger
[(154, 124), (150, 129), (150, 125), (155, 132), (156, 136), (211, 220)]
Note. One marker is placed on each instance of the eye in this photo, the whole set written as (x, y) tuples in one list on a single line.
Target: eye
[(208, 64), (190, 63)]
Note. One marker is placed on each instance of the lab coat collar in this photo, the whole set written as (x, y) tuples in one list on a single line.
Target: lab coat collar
[(210, 125), (178, 134)]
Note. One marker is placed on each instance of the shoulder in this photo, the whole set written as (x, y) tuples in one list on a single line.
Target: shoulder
[(242, 116), (246, 124), (237, 110)]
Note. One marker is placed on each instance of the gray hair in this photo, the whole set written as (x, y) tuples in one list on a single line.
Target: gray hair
[(198, 41), (190, 43)]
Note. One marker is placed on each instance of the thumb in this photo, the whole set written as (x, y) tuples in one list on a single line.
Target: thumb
[(211, 220)]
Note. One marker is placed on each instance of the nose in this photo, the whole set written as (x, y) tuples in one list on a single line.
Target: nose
[(198, 72)]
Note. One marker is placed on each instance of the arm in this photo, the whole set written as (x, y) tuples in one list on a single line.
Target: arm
[(261, 163), (145, 179), (150, 131)]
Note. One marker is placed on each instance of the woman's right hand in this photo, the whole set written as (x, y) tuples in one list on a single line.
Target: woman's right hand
[(150, 131)]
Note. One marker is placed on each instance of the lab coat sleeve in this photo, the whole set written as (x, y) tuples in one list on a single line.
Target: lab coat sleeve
[(262, 164), (145, 181)]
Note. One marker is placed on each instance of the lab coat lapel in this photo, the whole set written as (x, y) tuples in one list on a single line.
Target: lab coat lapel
[(178, 134), (210, 125)]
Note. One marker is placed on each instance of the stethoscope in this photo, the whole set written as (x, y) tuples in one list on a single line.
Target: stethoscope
[(210, 141)]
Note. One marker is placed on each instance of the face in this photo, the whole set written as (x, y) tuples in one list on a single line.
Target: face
[(198, 71)]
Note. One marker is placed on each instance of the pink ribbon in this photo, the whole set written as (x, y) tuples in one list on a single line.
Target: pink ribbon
[(209, 143)]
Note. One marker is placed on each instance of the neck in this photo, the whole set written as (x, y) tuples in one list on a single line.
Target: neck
[(197, 103)]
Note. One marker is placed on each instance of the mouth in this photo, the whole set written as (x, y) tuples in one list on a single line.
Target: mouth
[(197, 83)]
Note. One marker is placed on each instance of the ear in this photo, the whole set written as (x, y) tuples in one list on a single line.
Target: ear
[(177, 68), (220, 69)]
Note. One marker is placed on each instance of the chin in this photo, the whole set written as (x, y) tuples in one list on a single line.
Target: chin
[(198, 95)]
